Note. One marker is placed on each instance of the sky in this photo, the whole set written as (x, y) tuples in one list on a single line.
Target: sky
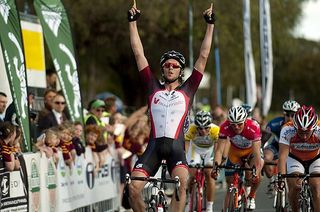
[(309, 26)]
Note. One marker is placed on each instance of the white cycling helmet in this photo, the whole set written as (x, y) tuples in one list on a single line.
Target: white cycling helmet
[(237, 114), (290, 106), (203, 119)]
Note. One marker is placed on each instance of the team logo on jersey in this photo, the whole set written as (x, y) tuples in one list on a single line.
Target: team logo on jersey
[(155, 100), (138, 166)]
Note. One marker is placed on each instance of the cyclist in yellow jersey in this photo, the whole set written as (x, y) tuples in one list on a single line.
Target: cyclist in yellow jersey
[(200, 141)]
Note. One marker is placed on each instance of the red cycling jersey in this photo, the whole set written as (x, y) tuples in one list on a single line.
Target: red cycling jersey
[(241, 144)]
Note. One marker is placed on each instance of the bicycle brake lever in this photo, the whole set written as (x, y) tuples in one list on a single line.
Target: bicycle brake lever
[(128, 179)]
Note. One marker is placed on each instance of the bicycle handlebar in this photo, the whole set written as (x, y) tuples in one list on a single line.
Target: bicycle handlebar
[(175, 181), (237, 168), (299, 175), (199, 166)]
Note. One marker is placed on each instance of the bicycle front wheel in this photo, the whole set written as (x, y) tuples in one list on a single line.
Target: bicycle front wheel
[(231, 204), (304, 206), (193, 200)]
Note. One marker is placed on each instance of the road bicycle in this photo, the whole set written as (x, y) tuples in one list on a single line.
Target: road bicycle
[(305, 196), (198, 197), (157, 201), (237, 193)]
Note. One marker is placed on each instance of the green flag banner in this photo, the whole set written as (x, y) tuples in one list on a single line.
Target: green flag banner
[(12, 47), (57, 33)]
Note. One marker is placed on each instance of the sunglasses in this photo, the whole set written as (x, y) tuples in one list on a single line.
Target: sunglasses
[(203, 128), (60, 103), (99, 110), (173, 65), (237, 124), (290, 115)]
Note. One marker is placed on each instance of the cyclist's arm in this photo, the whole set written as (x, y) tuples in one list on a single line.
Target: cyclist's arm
[(257, 155), (136, 45), (283, 155), (220, 150), (205, 48), (186, 145)]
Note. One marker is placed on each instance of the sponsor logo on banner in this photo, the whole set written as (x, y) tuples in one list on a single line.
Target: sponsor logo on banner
[(79, 166), (35, 186), (5, 189), (90, 175), (62, 166), (53, 20), (4, 11)]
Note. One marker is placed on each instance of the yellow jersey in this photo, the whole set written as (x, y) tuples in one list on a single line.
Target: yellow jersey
[(202, 141)]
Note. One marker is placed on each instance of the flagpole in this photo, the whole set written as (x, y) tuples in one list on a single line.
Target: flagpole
[(217, 64)]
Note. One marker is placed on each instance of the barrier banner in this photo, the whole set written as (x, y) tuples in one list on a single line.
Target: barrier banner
[(14, 188), (12, 47), (266, 55), (57, 33), (81, 186), (251, 87)]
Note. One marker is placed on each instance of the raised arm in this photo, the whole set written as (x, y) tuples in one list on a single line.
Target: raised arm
[(206, 43), (135, 41)]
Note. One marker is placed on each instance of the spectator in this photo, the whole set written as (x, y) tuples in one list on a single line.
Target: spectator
[(7, 138), (111, 107), (48, 144), (3, 105), (77, 138), (66, 145), (92, 133), (52, 79), (55, 116), (48, 97)]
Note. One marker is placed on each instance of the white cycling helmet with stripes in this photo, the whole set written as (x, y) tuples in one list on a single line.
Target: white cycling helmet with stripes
[(290, 106), (237, 114)]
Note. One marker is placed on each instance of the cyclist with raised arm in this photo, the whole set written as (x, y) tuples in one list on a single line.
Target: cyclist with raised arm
[(201, 140), (241, 136), (299, 154), (272, 133), (168, 105)]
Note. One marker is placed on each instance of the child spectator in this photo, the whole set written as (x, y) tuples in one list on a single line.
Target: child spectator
[(7, 137), (48, 144), (77, 138), (92, 133), (66, 145)]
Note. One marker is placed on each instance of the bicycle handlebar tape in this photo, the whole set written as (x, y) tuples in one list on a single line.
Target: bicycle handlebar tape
[(210, 19), (133, 17)]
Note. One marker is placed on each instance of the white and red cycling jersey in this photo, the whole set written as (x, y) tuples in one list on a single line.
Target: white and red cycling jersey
[(241, 144), (303, 150), (168, 109)]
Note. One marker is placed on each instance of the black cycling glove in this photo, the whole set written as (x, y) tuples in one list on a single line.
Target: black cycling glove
[(210, 19), (133, 17)]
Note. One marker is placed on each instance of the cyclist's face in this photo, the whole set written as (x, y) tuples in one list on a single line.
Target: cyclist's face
[(203, 131), (304, 135), (288, 116), (237, 127), (171, 70)]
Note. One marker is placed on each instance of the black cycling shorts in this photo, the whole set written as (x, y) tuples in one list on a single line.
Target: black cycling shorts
[(162, 149)]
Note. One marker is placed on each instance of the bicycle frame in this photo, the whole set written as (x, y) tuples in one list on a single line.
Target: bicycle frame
[(236, 188), (305, 197), (198, 192)]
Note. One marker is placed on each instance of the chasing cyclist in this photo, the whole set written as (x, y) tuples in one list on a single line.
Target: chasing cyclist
[(168, 105), (201, 140), (241, 136), (272, 133), (299, 154)]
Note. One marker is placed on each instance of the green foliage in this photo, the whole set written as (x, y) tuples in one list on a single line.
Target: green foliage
[(106, 62)]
